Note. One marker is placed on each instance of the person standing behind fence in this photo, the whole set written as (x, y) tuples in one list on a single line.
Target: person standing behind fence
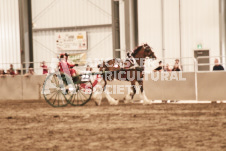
[(11, 70), (166, 68), (159, 68), (217, 66), (177, 64), (18, 72), (176, 68), (45, 68), (2, 73), (30, 72)]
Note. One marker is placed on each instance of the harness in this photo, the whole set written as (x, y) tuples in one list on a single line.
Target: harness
[(132, 60)]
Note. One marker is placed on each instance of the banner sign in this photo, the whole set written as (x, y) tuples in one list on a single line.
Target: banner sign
[(79, 58), (71, 41)]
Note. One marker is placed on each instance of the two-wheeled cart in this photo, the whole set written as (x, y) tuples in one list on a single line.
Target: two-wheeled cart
[(59, 90)]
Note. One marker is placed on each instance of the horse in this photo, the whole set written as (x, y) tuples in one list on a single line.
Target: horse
[(129, 70)]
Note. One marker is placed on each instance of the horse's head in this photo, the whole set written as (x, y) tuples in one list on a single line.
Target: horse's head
[(148, 52)]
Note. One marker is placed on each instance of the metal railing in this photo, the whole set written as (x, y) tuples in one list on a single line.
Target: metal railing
[(210, 60), (23, 68), (189, 64)]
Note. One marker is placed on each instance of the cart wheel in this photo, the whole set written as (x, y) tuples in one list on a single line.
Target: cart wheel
[(82, 93), (55, 90)]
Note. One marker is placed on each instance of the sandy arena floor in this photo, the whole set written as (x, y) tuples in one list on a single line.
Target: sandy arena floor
[(34, 125)]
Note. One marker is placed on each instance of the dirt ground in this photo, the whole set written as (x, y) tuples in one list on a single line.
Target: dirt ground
[(34, 125)]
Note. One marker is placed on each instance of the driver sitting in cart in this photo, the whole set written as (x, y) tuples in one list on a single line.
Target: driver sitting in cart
[(65, 66)]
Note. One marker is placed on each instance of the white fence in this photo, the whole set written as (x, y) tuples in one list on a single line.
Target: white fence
[(200, 86), (209, 86)]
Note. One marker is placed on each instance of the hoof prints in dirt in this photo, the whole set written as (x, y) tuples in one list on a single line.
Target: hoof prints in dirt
[(36, 126)]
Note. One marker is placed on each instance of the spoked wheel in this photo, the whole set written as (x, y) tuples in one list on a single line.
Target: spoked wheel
[(81, 94), (55, 90)]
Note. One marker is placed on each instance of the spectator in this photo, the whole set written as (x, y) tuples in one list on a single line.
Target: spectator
[(2, 73), (167, 68), (30, 72), (176, 68), (217, 65), (177, 62), (159, 68), (11, 70), (88, 68), (18, 72), (45, 68), (7, 72)]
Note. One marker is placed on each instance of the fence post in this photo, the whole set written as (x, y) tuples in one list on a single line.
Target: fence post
[(196, 79)]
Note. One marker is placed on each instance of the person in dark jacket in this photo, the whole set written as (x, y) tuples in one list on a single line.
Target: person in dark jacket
[(217, 66), (176, 68), (159, 68)]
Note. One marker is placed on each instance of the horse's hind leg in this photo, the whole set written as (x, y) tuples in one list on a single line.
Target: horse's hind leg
[(97, 95), (130, 95), (98, 90), (142, 94)]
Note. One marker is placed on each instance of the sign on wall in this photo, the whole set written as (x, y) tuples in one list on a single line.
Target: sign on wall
[(71, 40), (78, 58)]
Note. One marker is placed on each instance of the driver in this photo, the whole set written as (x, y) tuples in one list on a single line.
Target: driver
[(66, 67)]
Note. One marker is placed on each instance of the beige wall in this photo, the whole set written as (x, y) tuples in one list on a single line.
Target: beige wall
[(32, 86), (21, 88), (210, 86), (184, 26), (11, 88), (172, 89), (161, 89)]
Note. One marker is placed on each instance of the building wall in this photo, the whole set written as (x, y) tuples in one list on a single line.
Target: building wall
[(199, 24), (149, 24), (93, 16), (64, 13), (9, 34), (122, 29), (99, 44), (172, 30)]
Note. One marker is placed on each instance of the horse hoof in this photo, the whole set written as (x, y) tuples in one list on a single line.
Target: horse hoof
[(147, 102), (126, 101), (97, 103), (114, 102)]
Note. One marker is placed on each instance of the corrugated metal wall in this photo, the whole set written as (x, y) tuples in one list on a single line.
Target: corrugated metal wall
[(49, 14), (122, 29), (9, 33), (99, 43), (172, 30), (149, 24), (63, 13), (199, 24)]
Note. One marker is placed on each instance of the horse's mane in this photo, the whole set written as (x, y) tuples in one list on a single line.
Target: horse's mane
[(137, 49), (134, 52)]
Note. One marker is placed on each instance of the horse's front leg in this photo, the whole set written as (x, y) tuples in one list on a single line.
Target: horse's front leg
[(130, 95), (143, 97)]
